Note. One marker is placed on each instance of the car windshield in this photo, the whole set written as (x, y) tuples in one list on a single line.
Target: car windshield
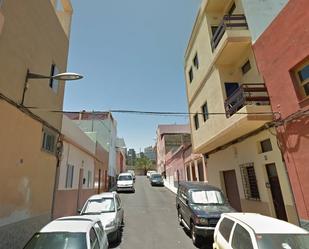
[(57, 240), (98, 206), (125, 178), (156, 176), (283, 241), (207, 197)]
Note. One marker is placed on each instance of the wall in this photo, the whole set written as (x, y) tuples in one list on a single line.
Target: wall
[(32, 38), (245, 152), (27, 178), (260, 13), (279, 49)]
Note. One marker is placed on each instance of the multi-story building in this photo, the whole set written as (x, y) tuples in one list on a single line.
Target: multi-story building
[(34, 37), (233, 119), (131, 156), (169, 139), (102, 128), (82, 171), (150, 153), (121, 155), (282, 52)]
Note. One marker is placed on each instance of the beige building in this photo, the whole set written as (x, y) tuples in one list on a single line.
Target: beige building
[(34, 37), (232, 117)]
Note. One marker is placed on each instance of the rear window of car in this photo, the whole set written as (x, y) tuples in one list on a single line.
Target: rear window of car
[(125, 177), (225, 228)]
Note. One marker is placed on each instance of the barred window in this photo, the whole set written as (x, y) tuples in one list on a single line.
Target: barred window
[(49, 140), (249, 181), (69, 176)]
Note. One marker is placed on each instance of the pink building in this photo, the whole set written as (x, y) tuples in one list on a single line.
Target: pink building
[(174, 156)]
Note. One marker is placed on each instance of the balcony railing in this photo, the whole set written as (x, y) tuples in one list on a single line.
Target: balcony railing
[(246, 94), (228, 22)]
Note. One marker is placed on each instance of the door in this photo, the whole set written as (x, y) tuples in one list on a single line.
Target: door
[(99, 183), (230, 88), (193, 173), (276, 191), (231, 187), (80, 186)]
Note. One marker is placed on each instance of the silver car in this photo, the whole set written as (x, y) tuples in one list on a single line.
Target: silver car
[(107, 207)]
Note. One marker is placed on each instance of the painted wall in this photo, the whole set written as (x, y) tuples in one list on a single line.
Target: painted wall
[(27, 179), (249, 151), (32, 38), (260, 13), (278, 50)]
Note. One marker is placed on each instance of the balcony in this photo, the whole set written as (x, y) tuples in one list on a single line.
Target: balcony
[(246, 110), (230, 39), (246, 94)]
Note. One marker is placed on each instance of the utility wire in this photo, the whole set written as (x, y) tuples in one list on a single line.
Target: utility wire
[(152, 113)]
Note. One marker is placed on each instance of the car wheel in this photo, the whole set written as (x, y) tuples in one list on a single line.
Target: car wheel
[(196, 239), (180, 218), (133, 190)]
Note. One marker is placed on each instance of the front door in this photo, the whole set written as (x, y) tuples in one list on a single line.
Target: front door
[(231, 187), (276, 191)]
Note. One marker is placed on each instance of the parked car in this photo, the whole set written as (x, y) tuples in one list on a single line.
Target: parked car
[(199, 206), (255, 231), (149, 172), (156, 179), (132, 173), (70, 232), (125, 182), (107, 207)]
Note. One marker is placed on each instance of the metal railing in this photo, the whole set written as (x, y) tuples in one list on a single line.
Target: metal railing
[(228, 22), (246, 94)]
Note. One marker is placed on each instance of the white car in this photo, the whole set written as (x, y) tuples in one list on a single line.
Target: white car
[(125, 182), (149, 172), (70, 232), (107, 207), (132, 173), (255, 231)]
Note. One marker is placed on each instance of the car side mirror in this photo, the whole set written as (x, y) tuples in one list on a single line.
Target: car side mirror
[(79, 210), (119, 208), (187, 201)]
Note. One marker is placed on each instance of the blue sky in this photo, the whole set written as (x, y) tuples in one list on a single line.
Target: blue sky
[(131, 55)]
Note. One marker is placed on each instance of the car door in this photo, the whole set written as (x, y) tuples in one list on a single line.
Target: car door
[(224, 234), (119, 211), (102, 237), (94, 241)]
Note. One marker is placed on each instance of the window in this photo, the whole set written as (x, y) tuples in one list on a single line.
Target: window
[(205, 111), (230, 88), (214, 29), (89, 176), (69, 176), (195, 61), (94, 242), (241, 238), (246, 67), (303, 78), (266, 145), (225, 228), (48, 143), (249, 181), (191, 74), (52, 82), (196, 123)]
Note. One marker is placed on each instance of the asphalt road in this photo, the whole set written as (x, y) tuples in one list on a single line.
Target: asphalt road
[(151, 219)]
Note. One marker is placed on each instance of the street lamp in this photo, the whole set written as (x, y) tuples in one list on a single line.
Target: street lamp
[(61, 76)]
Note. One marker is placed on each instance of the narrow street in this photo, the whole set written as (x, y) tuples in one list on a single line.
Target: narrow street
[(151, 219)]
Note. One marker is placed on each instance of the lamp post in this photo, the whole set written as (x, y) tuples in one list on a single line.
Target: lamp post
[(62, 76)]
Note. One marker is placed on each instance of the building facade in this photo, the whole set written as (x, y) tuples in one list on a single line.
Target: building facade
[(150, 153), (82, 171), (169, 139), (102, 128), (121, 155), (282, 52), (33, 38), (232, 118)]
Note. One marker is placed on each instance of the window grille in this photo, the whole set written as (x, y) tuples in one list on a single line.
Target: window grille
[(249, 181)]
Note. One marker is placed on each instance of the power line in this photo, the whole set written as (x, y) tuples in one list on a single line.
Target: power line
[(151, 113)]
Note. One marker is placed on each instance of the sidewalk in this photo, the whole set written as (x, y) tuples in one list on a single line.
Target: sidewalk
[(170, 187)]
